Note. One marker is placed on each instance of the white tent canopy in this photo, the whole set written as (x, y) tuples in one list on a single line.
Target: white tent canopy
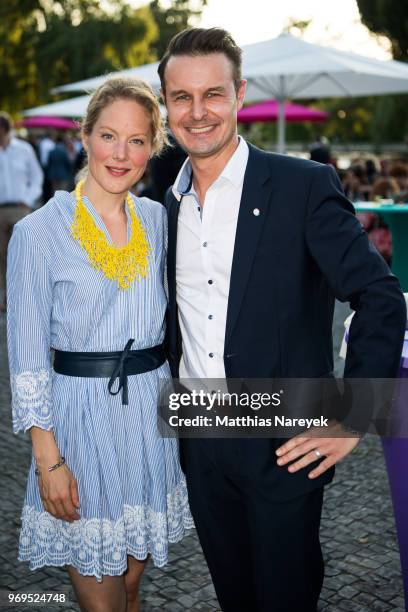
[(287, 67)]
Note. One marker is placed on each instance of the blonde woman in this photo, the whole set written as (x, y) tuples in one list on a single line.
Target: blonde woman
[(85, 278)]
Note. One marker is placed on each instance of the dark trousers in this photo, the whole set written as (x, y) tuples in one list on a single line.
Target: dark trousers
[(10, 214), (263, 552)]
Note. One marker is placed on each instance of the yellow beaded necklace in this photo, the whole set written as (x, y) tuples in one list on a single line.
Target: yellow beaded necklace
[(124, 264)]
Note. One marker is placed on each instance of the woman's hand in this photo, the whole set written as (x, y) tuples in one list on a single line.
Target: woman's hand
[(58, 488), (59, 493)]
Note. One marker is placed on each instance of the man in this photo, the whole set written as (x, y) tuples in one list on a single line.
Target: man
[(320, 150), (21, 180), (259, 244)]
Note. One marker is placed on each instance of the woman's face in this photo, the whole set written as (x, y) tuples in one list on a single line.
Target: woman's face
[(119, 146)]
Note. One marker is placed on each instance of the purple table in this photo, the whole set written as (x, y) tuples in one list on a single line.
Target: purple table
[(396, 459)]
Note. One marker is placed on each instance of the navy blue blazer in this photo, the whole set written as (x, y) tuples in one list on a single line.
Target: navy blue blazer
[(305, 248)]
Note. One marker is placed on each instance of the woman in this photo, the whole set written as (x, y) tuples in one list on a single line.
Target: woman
[(86, 278)]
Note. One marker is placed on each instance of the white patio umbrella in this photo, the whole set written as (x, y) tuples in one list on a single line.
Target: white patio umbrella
[(147, 72), (287, 68), (74, 107), (290, 68)]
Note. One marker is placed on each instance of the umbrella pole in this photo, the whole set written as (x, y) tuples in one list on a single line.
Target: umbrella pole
[(281, 125)]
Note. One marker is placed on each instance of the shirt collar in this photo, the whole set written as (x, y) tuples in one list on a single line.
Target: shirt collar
[(233, 172)]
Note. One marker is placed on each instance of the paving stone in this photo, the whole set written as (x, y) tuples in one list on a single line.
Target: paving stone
[(358, 536)]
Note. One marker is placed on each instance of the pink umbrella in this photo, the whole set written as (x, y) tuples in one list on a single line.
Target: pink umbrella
[(57, 123), (268, 111)]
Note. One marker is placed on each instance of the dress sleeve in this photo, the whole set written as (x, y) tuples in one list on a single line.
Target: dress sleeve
[(29, 304)]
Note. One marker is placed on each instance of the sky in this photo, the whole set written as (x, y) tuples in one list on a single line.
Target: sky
[(334, 22)]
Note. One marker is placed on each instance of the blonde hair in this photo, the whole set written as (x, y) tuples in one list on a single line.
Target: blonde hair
[(120, 88)]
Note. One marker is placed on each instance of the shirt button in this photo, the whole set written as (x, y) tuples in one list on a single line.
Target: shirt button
[(210, 317), (211, 355), (205, 244), (210, 282)]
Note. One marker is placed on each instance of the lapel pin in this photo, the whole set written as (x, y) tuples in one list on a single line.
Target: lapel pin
[(256, 212)]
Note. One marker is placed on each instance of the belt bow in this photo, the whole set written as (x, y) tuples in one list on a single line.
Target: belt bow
[(120, 373)]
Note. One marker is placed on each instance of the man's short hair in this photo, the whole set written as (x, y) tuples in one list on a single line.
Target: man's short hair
[(203, 41), (6, 122)]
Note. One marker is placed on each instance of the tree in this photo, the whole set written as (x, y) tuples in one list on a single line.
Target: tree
[(79, 44), (173, 19), (388, 18), (47, 43)]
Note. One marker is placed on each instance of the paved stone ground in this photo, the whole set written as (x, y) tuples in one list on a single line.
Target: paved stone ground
[(358, 536)]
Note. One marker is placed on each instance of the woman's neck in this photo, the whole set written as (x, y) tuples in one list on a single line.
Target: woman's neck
[(105, 203)]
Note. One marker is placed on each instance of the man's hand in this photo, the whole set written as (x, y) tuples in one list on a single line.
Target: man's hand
[(306, 449)]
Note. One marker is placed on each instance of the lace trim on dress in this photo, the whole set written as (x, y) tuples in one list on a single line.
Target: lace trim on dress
[(99, 546), (31, 399)]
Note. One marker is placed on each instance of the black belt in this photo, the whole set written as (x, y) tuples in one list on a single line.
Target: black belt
[(112, 365)]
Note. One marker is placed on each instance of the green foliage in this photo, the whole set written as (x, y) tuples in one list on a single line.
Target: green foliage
[(45, 43), (96, 44), (388, 18), (296, 26), (173, 19)]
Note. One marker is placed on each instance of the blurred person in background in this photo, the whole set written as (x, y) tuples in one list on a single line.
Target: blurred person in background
[(60, 170), (399, 172), (384, 189), (21, 180), (45, 146), (371, 170), (376, 228), (354, 182), (320, 150)]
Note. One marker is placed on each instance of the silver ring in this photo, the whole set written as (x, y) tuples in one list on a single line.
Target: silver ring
[(318, 453)]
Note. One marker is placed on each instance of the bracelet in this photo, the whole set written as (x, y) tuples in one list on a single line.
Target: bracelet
[(51, 468)]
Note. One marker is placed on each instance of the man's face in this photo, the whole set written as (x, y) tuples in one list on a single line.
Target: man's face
[(202, 103)]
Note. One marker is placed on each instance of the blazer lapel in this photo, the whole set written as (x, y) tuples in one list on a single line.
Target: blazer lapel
[(256, 193)]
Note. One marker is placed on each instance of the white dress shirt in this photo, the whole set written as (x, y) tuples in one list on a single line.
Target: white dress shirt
[(45, 147), (21, 176), (205, 246)]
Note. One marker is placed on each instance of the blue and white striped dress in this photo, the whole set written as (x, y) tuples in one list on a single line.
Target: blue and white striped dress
[(131, 488)]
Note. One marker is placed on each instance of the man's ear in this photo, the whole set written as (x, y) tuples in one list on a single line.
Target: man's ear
[(241, 93), (163, 96)]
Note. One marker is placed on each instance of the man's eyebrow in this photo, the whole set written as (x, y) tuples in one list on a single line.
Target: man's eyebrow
[(178, 92)]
